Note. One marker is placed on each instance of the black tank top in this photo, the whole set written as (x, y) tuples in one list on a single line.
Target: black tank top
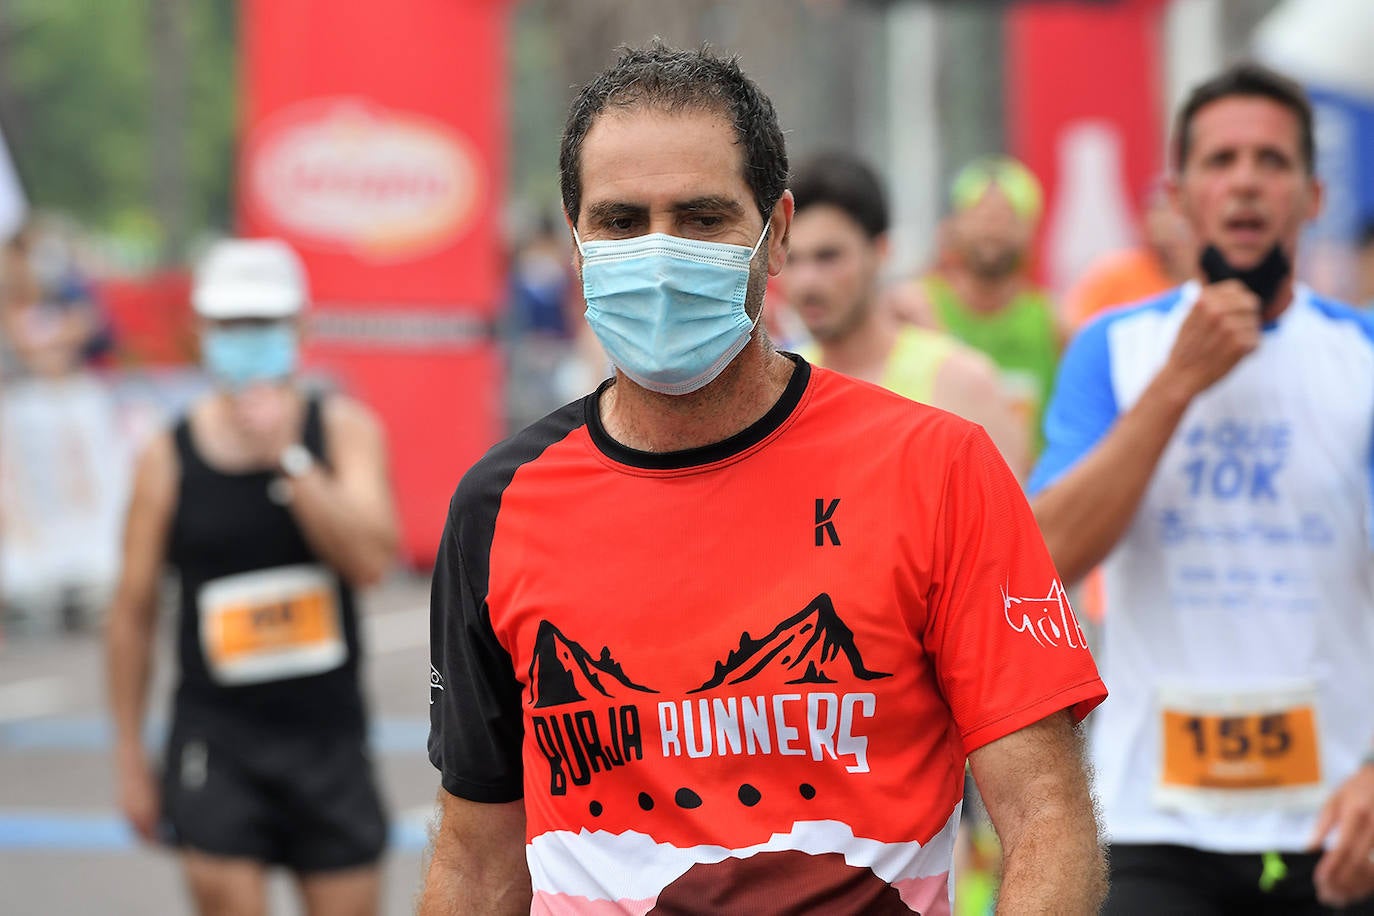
[(228, 524)]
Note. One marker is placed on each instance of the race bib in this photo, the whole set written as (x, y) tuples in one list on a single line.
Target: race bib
[(271, 624), (1227, 750)]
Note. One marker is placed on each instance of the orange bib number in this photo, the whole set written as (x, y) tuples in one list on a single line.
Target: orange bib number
[(1228, 750), (272, 624)]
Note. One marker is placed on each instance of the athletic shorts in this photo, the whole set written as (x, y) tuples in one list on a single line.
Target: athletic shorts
[(308, 802), (1180, 881)]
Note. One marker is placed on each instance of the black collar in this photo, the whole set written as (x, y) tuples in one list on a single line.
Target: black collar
[(746, 438)]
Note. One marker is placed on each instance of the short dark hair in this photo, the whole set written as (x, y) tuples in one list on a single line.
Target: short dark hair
[(1246, 79), (673, 80), (846, 182)]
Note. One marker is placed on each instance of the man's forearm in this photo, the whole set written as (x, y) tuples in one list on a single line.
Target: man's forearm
[(128, 662), (453, 887), (1055, 867), (478, 862), (1035, 785), (1084, 514)]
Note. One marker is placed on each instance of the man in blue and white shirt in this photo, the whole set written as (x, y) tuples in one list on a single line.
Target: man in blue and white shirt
[(1212, 448)]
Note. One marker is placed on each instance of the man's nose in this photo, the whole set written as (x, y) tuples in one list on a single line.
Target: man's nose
[(1245, 176), (663, 223)]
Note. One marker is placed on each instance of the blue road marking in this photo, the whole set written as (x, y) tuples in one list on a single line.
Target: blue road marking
[(71, 733), (38, 830), (51, 830)]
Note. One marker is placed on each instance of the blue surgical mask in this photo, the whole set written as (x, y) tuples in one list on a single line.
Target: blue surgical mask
[(240, 355), (669, 311)]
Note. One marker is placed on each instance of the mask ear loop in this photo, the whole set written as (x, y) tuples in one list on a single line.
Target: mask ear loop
[(762, 235), (755, 250)]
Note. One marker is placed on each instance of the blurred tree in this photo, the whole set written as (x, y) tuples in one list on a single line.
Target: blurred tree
[(213, 116), (79, 84), (539, 99), (171, 87)]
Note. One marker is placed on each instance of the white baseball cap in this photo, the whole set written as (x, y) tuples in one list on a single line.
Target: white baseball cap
[(249, 278)]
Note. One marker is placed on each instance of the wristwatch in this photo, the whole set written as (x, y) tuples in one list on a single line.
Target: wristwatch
[(295, 460)]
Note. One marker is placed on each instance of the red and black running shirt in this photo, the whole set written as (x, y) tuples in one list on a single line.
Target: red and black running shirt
[(781, 645)]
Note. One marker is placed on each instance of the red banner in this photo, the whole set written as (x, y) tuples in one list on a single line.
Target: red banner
[(150, 318), (1083, 101), (373, 142)]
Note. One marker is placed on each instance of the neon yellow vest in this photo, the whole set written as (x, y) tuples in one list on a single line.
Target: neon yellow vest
[(1021, 339), (913, 364)]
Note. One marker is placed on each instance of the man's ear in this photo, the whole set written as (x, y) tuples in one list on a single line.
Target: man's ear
[(1316, 198), (882, 247), (781, 232), (1173, 189)]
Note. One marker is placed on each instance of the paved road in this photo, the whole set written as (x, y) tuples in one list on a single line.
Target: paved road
[(63, 847)]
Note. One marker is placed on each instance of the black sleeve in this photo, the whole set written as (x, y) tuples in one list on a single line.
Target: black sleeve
[(476, 712), (475, 716)]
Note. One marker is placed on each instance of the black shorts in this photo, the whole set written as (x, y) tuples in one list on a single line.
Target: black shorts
[(1180, 881), (308, 802)]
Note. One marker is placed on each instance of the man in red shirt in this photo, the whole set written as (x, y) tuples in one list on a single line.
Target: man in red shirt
[(721, 636)]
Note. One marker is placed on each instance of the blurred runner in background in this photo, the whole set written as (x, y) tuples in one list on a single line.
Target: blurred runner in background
[(1213, 446), (539, 326), (983, 293), (272, 504), (50, 324), (63, 462), (834, 265)]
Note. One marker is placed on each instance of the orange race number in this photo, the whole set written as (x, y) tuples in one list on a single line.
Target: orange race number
[(1269, 750), (247, 629), (271, 624)]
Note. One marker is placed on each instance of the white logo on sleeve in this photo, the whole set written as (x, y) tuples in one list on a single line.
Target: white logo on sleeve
[(436, 682), (1050, 620)]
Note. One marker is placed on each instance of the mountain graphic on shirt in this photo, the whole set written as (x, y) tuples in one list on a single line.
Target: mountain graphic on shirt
[(813, 646), (561, 671)]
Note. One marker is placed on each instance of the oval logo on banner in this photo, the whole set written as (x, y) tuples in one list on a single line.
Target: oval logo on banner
[(346, 174)]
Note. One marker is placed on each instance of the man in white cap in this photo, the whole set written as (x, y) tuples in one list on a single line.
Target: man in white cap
[(271, 504)]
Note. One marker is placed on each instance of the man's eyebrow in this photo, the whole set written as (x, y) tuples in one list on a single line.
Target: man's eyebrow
[(608, 210), (710, 203)]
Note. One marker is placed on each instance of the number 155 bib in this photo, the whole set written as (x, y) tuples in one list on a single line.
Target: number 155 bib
[(1231, 750)]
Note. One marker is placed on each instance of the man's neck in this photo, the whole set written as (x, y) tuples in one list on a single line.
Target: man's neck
[(652, 422), (986, 295), (863, 353)]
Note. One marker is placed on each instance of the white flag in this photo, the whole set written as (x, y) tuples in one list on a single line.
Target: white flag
[(13, 209)]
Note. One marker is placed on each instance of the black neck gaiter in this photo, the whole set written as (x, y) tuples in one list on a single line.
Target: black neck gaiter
[(1264, 279)]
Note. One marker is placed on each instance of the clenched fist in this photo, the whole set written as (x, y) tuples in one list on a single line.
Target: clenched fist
[(1222, 328)]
